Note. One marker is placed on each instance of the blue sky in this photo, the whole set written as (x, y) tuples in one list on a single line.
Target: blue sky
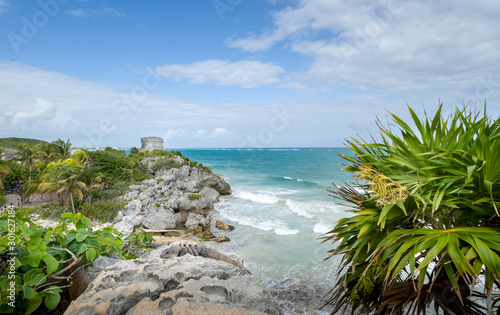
[(238, 73)]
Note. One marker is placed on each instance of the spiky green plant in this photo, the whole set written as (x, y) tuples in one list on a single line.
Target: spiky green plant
[(426, 230)]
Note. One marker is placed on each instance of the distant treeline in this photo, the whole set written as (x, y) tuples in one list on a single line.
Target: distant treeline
[(13, 142)]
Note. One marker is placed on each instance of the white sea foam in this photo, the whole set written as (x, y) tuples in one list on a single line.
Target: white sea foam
[(261, 198), (286, 177), (276, 226), (285, 231), (322, 227), (276, 191), (299, 208)]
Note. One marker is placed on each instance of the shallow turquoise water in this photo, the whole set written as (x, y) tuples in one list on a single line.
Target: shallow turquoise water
[(280, 207)]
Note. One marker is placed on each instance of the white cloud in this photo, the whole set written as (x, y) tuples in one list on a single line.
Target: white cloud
[(4, 4), (218, 132), (42, 110), (394, 45), (95, 13), (246, 73), (200, 133), (172, 133)]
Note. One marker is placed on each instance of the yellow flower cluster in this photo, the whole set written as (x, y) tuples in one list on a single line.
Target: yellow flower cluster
[(388, 191)]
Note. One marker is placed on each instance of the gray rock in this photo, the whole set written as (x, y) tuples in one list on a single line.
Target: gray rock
[(195, 204), (124, 227), (167, 179), (194, 220), (136, 187), (180, 285), (119, 216), (173, 203), (162, 219), (133, 208), (174, 189), (211, 193), (130, 195)]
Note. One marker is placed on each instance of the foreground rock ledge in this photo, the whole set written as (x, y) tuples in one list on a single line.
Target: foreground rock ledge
[(176, 286)]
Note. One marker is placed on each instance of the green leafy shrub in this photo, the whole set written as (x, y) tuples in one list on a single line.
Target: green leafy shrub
[(102, 210), (17, 173), (426, 228), (139, 239), (110, 163), (43, 257), (164, 164), (134, 151), (115, 190), (2, 199)]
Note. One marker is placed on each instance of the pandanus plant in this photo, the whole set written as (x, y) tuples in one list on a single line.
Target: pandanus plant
[(425, 230)]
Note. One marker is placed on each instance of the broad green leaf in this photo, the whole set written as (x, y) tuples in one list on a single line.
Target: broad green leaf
[(67, 215), (80, 237), (52, 299), (34, 277), (33, 304), (52, 264), (28, 292), (35, 257), (80, 225), (48, 236), (91, 254)]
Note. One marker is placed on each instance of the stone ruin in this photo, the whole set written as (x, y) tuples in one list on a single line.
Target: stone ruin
[(152, 143)]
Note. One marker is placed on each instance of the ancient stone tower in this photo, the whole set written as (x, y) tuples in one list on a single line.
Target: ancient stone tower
[(152, 143)]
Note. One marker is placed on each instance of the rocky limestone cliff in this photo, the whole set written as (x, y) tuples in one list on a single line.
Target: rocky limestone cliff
[(180, 197), (176, 286)]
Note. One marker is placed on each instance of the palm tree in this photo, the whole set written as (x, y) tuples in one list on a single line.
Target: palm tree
[(62, 150), (426, 229), (92, 181), (64, 178), (46, 152), (29, 156)]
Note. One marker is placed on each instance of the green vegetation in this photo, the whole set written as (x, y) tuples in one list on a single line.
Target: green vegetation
[(194, 196), (164, 164), (2, 199), (45, 257), (102, 210), (426, 229), (13, 143), (87, 184)]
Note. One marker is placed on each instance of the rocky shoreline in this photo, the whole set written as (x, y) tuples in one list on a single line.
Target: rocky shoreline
[(179, 198), (180, 285), (176, 202)]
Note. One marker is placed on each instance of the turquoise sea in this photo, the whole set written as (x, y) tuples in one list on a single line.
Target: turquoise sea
[(280, 208)]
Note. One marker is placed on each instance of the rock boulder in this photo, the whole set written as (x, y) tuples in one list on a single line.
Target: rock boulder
[(180, 285)]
